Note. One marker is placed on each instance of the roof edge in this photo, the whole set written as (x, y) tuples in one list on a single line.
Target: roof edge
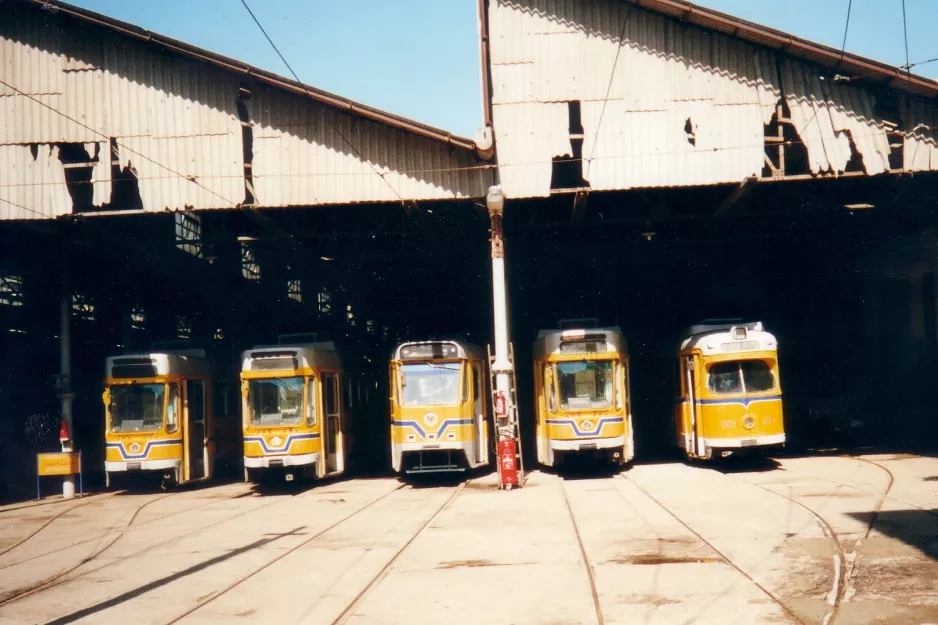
[(265, 76), (866, 68)]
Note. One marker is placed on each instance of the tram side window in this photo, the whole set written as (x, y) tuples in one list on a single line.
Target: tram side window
[(465, 382), (331, 396), (476, 381), (172, 417), (311, 402)]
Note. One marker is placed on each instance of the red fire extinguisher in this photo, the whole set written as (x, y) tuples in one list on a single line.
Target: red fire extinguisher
[(507, 464)]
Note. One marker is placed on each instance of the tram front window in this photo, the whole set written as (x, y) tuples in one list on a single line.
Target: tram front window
[(277, 401), (585, 385), (136, 407), (430, 384), (745, 376)]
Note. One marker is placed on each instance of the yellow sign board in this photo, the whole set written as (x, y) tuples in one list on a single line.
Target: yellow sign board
[(64, 463)]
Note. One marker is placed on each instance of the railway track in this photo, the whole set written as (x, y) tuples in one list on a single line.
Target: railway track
[(847, 563), (723, 555), (104, 535), (49, 582), (349, 610), (48, 522), (63, 577), (597, 607), (361, 596), (836, 597)]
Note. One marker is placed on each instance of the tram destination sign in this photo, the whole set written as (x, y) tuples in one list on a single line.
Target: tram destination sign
[(60, 463)]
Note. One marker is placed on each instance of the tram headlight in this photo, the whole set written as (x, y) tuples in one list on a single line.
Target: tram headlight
[(749, 422)]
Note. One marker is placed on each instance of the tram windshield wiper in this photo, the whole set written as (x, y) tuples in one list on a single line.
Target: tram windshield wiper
[(436, 366)]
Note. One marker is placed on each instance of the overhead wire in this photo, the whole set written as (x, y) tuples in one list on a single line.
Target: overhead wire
[(908, 66), (303, 85), (905, 33), (12, 203), (843, 48)]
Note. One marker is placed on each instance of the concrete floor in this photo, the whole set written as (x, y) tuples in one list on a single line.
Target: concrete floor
[(802, 540)]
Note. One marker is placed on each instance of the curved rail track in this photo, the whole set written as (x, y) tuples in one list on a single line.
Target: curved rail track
[(846, 568)]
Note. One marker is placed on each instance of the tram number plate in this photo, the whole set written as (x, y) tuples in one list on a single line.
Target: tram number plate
[(749, 442), (133, 466)]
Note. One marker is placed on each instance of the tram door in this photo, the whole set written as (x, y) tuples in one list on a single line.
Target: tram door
[(195, 428), (477, 409), (691, 373), (330, 394)]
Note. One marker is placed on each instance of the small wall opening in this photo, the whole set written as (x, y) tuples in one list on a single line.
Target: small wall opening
[(247, 141), (79, 166), (125, 189), (784, 148), (689, 132), (567, 172)]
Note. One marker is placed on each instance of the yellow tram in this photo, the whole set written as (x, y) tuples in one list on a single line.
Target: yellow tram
[(294, 420), (582, 393), (440, 407), (159, 415), (729, 396)]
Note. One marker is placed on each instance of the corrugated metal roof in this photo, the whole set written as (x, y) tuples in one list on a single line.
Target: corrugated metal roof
[(249, 71), (642, 80), (306, 155), (176, 124), (42, 193)]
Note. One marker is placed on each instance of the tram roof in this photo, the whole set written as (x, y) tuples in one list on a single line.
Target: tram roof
[(288, 357), (184, 362), (723, 341), (463, 349), (709, 326), (549, 341)]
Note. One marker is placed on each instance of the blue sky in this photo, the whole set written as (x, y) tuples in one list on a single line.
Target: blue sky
[(420, 58)]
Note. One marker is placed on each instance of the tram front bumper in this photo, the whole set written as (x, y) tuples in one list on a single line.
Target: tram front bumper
[(587, 444), (266, 462), (742, 441), (142, 465)]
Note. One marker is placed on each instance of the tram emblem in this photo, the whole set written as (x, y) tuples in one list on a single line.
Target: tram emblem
[(430, 418), (587, 425), (135, 448)]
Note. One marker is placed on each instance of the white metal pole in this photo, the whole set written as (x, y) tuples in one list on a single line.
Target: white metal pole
[(502, 367), (65, 378)]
